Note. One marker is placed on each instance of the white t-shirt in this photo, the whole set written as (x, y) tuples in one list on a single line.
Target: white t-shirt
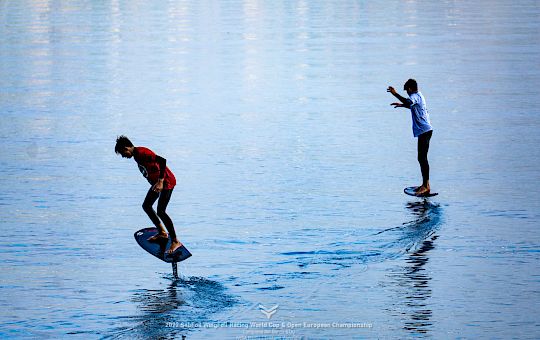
[(419, 113)]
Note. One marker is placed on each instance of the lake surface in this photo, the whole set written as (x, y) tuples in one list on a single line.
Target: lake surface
[(290, 165)]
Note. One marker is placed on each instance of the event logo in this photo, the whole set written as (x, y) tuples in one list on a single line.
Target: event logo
[(268, 311)]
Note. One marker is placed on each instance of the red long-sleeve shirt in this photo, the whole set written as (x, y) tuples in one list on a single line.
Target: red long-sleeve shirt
[(150, 167)]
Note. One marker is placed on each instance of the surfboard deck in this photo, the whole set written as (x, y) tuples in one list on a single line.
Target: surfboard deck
[(411, 192), (159, 249)]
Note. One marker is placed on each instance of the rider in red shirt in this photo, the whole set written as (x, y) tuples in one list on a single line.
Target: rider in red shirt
[(162, 182)]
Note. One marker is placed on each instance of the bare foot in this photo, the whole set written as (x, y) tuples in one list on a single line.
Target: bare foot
[(158, 237), (422, 190), (175, 244)]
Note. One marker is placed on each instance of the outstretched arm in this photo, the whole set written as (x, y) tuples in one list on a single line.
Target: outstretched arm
[(404, 101)]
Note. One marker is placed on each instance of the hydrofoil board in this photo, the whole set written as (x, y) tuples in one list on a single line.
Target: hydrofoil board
[(411, 191), (159, 249)]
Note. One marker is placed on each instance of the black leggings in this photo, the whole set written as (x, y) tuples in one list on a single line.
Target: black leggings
[(423, 148), (164, 198)]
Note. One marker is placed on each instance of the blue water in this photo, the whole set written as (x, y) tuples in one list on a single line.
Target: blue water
[(290, 164)]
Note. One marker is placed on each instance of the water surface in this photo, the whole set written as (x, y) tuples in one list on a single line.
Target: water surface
[(290, 164)]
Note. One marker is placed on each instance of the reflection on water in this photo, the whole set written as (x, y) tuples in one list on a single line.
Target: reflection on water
[(159, 301), (420, 292), (162, 310), (411, 280)]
